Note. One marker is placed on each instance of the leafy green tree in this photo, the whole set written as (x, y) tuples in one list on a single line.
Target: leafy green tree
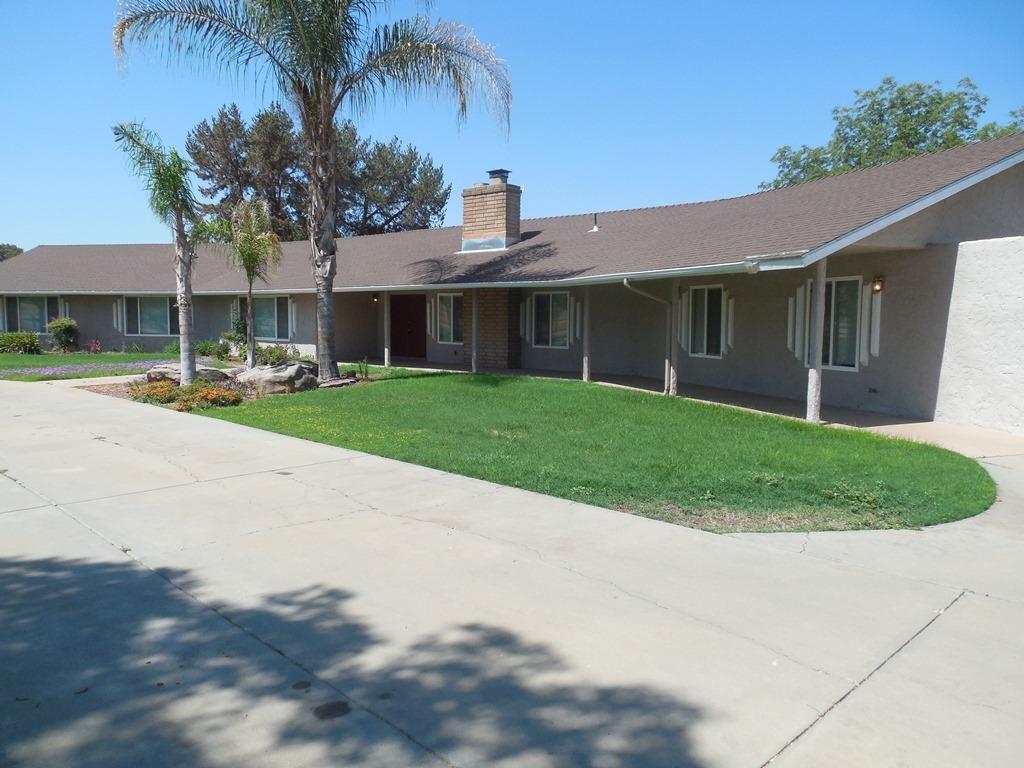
[(275, 158), (9, 251), (386, 187), (218, 149), (891, 122), (322, 55), (166, 175), (254, 249), (381, 187)]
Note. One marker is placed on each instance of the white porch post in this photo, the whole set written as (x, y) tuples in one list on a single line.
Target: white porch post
[(473, 294), (815, 340), (673, 325), (387, 329), (586, 333)]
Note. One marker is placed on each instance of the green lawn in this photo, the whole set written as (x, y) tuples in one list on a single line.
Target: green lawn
[(83, 365), (702, 465)]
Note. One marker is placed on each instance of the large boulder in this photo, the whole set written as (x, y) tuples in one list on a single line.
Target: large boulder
[(173, 373), (289, 376)]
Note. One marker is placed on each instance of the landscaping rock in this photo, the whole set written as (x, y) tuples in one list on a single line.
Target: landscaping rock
[(173, 373), (289, 376), (343, 381)]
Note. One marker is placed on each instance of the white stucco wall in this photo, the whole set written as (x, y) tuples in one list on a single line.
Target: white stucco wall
[(982, 376)]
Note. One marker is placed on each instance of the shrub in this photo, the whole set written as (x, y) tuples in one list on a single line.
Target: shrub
[(210, 348), (204, 347), (63, 333), (173, 348), (198, 395), (275, 354), (94, 347), (22, 343), (154, 392)]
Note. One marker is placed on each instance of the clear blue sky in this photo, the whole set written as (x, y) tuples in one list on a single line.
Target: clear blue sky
[(615, 105)]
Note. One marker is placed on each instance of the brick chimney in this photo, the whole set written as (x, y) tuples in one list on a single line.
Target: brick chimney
[(490, 213)]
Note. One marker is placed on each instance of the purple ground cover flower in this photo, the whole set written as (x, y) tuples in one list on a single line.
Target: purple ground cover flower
[(140, 366)]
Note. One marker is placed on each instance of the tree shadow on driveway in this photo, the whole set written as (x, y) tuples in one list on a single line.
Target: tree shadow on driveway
[(108, 664)]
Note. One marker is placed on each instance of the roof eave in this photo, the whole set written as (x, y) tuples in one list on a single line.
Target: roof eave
[(876, 225)]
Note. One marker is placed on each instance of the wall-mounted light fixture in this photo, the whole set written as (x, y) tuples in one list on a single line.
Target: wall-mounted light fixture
[(376, 298), (877, 284)]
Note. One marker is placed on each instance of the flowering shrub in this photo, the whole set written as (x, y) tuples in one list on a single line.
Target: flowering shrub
[(199, 395), (63, 333), (205, 396), (94, 347), (154, 392), (22, 343)]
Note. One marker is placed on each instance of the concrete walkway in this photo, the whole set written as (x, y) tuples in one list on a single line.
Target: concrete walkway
[(180, 591)]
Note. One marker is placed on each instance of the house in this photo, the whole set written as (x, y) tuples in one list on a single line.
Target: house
[(923, 299)]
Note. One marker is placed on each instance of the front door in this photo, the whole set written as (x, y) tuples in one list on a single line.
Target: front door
[(409, 325)]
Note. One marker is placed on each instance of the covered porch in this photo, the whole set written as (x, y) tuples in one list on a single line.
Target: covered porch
[(801, 342)]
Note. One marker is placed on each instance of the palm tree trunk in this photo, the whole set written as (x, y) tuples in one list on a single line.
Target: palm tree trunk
[(250, 332), (322, 142), (183, 274)]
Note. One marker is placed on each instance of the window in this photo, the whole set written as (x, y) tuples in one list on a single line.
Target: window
[(449, 318), (29, 314), (551, 320), (840, 339), (150, 316), (270, 317), (706, 321)]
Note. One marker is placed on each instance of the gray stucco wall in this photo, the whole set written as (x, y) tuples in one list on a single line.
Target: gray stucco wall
[(992, 209), (628, 335), (982, 380), (95, 318), (356, 326)]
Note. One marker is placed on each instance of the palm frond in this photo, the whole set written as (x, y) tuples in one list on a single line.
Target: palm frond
[(254, 247), (165, 172), (417, 55), (225, 34)]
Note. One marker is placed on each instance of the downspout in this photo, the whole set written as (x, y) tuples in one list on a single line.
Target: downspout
[(668, 329)]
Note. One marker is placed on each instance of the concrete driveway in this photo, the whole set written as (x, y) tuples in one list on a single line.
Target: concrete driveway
[(180, 591)]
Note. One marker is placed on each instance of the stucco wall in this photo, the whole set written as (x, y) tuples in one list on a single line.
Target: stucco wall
[(992, 209), (628, 335), (982, 379), (356, 325)]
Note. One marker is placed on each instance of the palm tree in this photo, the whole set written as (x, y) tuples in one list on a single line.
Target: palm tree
[(254, 249), (323, 55), (166, 175)]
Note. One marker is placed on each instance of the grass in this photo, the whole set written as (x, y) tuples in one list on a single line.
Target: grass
[(706, 466), (82, 365)]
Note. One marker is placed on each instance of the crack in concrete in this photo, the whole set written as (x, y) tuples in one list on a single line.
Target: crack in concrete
[(862, 681)]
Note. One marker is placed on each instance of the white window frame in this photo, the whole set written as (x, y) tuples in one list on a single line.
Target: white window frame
[(722, 323), (832, 334), (124, 316), (277, 318), (451, 320), (551, 304), (17, 311)]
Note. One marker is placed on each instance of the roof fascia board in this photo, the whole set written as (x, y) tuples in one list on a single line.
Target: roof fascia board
[(906, 211), (714, 269)]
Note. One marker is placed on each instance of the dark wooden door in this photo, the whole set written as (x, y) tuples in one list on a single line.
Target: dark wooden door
[(409, 325)]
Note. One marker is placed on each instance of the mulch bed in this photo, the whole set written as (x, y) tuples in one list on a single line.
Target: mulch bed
[(111, 390)]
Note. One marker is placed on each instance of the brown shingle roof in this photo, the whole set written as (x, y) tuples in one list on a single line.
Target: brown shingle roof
[(798, 219)]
